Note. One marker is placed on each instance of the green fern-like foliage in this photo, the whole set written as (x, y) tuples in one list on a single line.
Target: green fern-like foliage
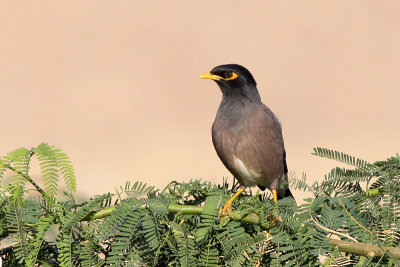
[(20, 160), (52, 161), (137, 225)]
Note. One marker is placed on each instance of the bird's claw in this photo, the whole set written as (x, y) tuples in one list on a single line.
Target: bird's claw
[(226, 210), (225, 214)]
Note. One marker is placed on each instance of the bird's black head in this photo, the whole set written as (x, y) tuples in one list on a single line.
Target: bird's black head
[(233, 79)]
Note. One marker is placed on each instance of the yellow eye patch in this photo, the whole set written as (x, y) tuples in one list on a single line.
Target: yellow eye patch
[(233, 76)]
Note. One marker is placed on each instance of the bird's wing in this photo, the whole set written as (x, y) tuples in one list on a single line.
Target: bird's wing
[(261, 146)]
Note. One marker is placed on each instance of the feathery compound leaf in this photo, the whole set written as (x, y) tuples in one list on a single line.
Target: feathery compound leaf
[(83, 211), (208, 216), (87, 254), (18, 217), (344, 180), (42, 228), (118, 218), (186, 245), (20, 232), (19, 160), (66, 169), (128, 218), (342, 157), (64, 245), (48, 162), (297, 183), (3, 166), (209, 256), (150, 230), (53, 161), (136, 190)]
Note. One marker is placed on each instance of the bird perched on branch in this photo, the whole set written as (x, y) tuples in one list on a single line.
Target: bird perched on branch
[(246, 135)]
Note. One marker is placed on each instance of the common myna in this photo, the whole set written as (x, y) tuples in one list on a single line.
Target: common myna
[(247, 135)]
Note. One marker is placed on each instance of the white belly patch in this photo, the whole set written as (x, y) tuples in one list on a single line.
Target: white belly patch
[(249, 176)]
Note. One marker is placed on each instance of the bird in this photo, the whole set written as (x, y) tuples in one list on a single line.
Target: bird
[(247, 135)]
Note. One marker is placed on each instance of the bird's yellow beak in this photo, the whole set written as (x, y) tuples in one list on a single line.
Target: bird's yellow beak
[(210, 76)]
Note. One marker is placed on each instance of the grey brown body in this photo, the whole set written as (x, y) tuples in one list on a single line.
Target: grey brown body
[(248, 139)]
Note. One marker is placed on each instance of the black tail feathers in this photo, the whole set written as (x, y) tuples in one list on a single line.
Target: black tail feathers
[(287, 193)]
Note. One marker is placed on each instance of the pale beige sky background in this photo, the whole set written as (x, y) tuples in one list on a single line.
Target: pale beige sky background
[(115, 83)]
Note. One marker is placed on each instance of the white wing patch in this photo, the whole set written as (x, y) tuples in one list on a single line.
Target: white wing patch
[(249, 176)]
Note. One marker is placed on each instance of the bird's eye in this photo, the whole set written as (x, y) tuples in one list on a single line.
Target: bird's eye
[(228, 74)]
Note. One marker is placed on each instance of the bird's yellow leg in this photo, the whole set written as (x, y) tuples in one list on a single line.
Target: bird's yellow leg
[(275, 194), (227, 208)]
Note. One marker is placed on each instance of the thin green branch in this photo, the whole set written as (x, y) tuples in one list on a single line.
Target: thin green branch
[(28, 178), (344, 246), (174, 208)]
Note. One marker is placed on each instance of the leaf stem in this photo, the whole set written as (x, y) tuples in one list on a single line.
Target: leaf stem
[(28, 178)]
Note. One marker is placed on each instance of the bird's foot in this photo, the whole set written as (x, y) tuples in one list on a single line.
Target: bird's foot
[(226, 210), (225, 214)]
